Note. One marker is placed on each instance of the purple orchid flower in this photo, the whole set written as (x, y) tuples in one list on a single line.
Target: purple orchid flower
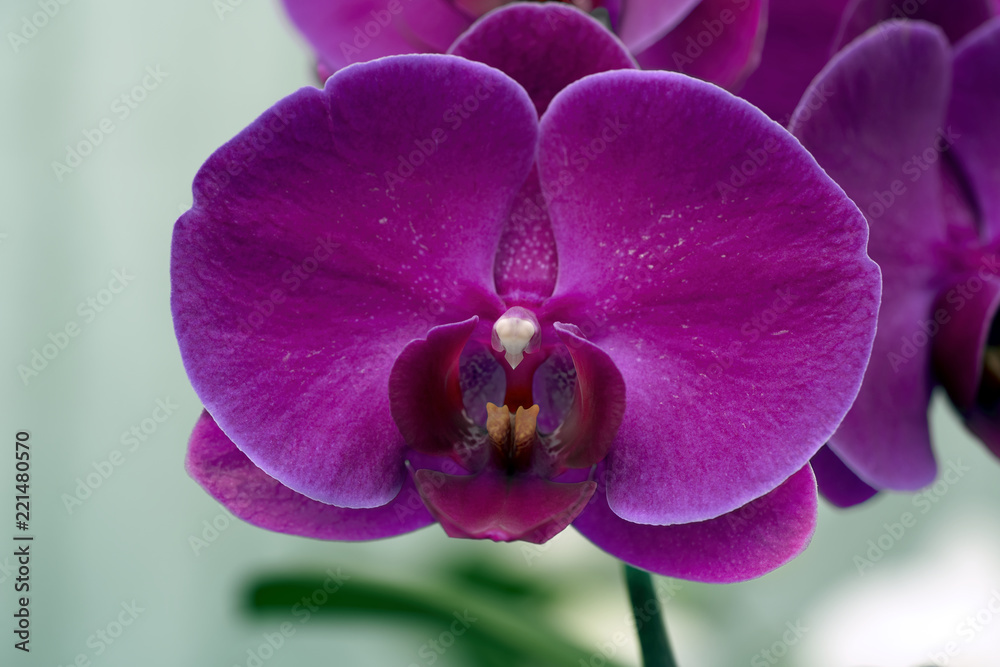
[(911, 132), (405, 299), (715, 40), (803, 36)]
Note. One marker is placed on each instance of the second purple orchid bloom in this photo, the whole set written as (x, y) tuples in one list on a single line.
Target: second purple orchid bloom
[(715, 40), (405, 299), (909, 125)]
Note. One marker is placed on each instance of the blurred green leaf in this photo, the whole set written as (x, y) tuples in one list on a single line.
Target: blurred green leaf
[(498, 636), (501, 583)]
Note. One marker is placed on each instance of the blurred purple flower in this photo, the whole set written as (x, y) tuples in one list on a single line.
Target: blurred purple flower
[(801, 38), (911, 132), (404, 299), (715, 40)]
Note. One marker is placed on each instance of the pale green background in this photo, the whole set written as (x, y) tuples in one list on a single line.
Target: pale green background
[(60, 242)]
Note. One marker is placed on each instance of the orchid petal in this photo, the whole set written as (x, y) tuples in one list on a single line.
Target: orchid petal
[(331, 267), (974, 111), (741, 346), (884, 101), (838, 483), (746, 543), (798, 42), (590, 424), (502, 508), (351, 31), (425, 394), (643, 22), (246, 491), (434, 24), (543, 47), (956, 17), (719, 41)]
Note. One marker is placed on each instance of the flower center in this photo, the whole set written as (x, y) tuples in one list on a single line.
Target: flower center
[(512, 435), (516, 333)]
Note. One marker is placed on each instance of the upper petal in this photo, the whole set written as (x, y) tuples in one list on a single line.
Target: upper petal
[(543, 47), (974, 111), (880, 103), (246, 491), (311, 257), (643, 22), (747, 543), (719, 41), (740, 311)]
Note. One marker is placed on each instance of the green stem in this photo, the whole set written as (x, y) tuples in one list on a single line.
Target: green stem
[(649, 622)]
